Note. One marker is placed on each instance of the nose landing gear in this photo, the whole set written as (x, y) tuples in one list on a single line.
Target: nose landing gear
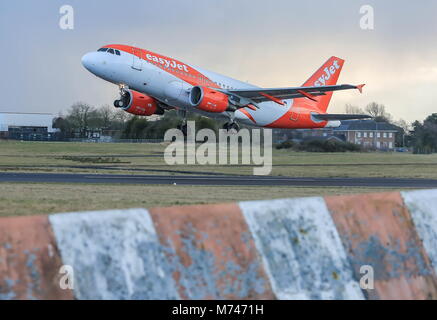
[(119, 103), (124, 97)]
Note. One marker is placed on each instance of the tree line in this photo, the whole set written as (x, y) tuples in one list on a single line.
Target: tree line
[(82, 118)]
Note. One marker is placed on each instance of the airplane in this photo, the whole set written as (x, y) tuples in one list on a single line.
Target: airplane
[(150, 83)]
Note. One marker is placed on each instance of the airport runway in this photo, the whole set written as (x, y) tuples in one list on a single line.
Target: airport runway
[(217, 180)]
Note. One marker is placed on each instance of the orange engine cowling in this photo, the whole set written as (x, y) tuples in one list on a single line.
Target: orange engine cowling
[(208, 99), (139, 104)]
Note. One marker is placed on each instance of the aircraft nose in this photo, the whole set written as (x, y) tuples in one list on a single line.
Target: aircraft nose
[(89, 61)]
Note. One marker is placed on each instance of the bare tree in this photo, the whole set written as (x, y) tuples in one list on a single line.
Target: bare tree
[(404, 125), (79, 116), (106, 114), (351, 109), (378, 112), (122, 116)]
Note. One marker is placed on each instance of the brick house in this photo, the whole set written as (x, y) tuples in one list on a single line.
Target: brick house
[(367, 133)]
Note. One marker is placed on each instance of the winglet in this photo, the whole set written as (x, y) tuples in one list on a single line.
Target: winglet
[(360, 87)]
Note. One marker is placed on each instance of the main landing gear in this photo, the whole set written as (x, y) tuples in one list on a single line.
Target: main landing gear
[(183, 128), (183, 125), (231, 126)]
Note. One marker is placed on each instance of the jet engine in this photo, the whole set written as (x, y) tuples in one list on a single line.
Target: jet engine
[(137, 103), (207, 99)]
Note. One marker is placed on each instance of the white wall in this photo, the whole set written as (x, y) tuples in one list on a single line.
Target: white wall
[(26, 120)]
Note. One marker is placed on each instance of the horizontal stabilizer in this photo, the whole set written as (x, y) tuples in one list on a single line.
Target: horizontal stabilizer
[(330, 117)]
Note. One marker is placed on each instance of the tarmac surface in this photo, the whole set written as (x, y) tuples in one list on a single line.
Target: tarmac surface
[(213, 180)]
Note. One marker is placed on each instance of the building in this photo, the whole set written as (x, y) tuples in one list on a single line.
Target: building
[(26, 126), (367, 133)]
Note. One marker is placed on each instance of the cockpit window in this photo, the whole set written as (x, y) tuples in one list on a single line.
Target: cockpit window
[(109, 50)]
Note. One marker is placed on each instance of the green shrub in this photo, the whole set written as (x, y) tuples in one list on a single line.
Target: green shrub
[(328, 146), (285, 145)]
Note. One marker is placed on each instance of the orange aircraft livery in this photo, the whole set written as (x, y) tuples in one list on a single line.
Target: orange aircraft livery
[(151, 83)]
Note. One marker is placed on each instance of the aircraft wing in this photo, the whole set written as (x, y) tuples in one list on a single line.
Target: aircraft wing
[(277, 94)]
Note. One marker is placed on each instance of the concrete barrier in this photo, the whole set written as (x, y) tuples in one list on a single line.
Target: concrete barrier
[(302, 248)]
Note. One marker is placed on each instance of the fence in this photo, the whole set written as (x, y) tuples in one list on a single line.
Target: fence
[(301, 248)]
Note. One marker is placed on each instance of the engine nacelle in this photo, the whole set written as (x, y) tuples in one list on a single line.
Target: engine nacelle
[(138, 104), (209, 100)]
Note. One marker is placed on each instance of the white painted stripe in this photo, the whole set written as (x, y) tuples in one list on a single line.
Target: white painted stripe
[(422, 205), (301, 249), (115, 255)]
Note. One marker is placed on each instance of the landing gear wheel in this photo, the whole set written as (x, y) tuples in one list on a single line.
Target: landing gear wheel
[(231, 126), (183, 127), (118, 104), (234, 126)]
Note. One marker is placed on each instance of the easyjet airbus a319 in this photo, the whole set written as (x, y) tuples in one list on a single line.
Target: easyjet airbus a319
[(151, 83)]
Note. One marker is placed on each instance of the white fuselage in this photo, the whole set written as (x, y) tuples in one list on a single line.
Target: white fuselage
[(151, 78)]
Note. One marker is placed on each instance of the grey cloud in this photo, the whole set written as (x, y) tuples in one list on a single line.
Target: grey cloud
[(273, 43)]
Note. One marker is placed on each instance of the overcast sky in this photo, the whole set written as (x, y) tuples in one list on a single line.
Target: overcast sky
[(269, 43)]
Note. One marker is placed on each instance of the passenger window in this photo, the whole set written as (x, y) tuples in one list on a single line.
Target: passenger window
[(111, 51), (102, 50), (117, 52)]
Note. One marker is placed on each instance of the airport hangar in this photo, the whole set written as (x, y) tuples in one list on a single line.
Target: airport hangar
[(26, 126)]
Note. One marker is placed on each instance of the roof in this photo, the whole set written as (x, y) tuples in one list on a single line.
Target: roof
[(355, 125), (6, 112)]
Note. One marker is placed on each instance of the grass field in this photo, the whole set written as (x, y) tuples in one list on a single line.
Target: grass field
[(131, 158), (29, 199), (134, 158)]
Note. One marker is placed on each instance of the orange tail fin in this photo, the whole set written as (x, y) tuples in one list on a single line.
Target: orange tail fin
[(327, 75)]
